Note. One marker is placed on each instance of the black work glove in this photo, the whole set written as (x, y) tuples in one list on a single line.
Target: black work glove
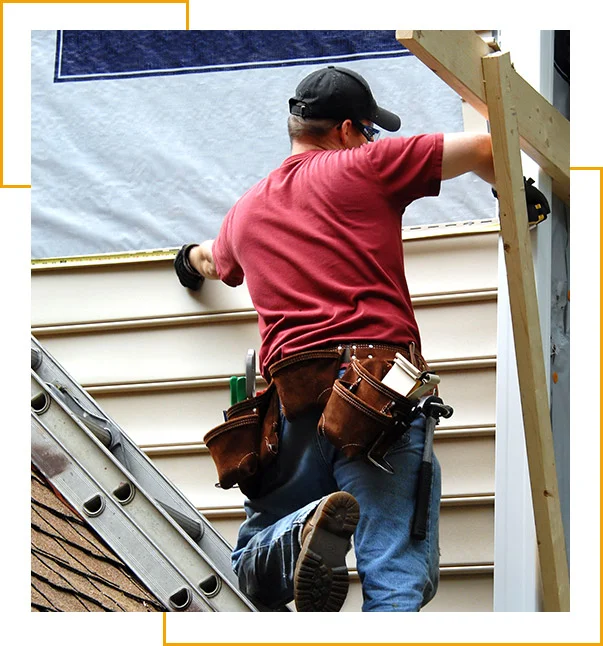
[(187, 276), (536, 203)]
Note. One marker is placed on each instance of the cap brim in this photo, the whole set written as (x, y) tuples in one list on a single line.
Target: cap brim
[(386, 120)]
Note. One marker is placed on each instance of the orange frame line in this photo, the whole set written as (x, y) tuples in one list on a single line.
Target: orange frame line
[(3, 2)]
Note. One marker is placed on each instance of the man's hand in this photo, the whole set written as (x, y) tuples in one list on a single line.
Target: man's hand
[(187, 274), (538, 206), (536, 203)]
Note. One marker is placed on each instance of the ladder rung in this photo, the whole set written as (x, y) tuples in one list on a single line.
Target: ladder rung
[(192, 527)]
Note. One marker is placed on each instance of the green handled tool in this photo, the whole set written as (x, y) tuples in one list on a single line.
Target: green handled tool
[(237, 390)]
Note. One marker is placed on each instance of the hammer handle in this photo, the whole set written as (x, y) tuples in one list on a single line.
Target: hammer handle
[(419, 525)]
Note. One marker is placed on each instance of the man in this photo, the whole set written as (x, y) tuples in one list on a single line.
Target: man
[(319, 244)]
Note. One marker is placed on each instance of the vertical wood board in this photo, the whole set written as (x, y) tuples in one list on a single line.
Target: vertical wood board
[(526, 330)]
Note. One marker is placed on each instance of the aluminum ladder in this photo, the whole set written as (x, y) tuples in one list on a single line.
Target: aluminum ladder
[(140, 514)]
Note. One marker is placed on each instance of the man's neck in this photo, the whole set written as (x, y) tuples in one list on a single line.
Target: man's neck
[(298, 147)]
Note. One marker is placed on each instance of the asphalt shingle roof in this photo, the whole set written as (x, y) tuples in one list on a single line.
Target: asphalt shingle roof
[(72, 570)]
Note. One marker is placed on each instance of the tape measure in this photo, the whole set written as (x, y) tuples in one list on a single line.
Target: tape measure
[(103, 259)]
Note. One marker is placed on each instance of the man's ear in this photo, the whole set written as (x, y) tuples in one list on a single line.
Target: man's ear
[(345, 132)]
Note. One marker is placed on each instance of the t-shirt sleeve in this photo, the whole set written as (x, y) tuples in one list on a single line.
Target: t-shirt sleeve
[(223, 253), (409, 167)]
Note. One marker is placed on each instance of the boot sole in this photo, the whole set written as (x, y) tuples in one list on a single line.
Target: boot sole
[(321, 576)]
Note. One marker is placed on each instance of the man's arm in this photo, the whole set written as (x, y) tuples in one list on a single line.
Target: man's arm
[(202, 260), (465, 152)]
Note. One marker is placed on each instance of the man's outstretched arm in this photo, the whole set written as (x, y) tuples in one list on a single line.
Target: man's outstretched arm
[(465, 152)]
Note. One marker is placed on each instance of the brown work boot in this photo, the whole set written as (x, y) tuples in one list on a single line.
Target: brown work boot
[(321, 575)]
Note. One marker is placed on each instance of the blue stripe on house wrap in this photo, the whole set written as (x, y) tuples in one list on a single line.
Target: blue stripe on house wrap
[(96, 55)]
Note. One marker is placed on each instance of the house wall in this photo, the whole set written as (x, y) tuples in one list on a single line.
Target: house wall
[(157, 359)]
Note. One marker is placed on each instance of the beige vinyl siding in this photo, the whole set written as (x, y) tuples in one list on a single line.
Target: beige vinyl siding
[(157, 359), (145, 290), (146, 410), (215, 346)]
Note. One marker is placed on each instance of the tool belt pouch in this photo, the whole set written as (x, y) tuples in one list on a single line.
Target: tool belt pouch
[(244, 445), (304, 380), (363, 416)]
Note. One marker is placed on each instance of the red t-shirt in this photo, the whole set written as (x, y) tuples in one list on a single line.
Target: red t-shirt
[(319, 243)]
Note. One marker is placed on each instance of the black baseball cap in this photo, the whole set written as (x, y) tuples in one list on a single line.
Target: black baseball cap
[(339, 93)]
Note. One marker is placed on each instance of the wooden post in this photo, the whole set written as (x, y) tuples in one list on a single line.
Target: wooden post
[(498, 75), (456, 57)]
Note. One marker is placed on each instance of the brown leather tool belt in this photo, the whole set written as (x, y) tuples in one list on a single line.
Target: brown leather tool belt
[(383, 351), (304, 380), (359, 415)]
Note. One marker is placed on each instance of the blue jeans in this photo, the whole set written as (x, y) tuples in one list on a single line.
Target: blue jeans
[(398, 573)]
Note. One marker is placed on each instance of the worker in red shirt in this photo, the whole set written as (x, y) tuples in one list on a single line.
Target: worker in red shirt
[(319, 244)]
